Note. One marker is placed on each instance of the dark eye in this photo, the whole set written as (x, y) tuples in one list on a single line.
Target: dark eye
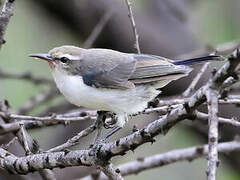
[(64, 59)]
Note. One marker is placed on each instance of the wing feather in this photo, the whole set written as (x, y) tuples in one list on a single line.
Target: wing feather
[(150, 68), (104, 68), (108, 69)]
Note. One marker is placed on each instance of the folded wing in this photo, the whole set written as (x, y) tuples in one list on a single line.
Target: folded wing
[(150, 68)]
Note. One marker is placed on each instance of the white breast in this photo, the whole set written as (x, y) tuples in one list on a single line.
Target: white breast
[(128, 101)]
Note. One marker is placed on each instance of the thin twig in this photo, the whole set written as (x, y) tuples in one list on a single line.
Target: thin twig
[(130, 15), (160, 110), (43, 121), (25, 76), (204, 116), (195, 81), (6, 146), (14, 126), (55, 118), (97, 30), (221, 49), (24, 139), (37, 100), (74, 140), (229, 100)]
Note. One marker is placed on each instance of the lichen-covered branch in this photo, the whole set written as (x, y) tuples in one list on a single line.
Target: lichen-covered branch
[(5, 15), (24, 165), (159, 160), (212, 99), (111, 172)]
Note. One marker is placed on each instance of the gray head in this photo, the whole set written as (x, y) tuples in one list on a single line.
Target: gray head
[(65, 59)]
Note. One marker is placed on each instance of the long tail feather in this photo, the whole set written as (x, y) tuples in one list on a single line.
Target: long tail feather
[(197, 60)]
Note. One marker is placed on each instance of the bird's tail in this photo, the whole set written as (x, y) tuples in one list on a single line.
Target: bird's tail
[(199, 59)]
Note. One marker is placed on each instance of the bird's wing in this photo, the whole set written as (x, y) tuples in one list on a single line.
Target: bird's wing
[(107, 69), (151, 68)]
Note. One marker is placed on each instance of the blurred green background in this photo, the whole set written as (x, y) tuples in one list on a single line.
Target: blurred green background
[(35, 29)]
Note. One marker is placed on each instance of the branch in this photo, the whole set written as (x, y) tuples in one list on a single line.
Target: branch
[(85, 115), (222, 49), (130, 15), (194, 82), (212, 97), (5, 15), (14, 126), (31, 122), (35, 162), (30, 145), (37, 100), (6, 146), (111, 172), (46, 174), (74, 140), (97, 30), (177, 101), (159, 160), (232, 122), (199, 115), (54, 118), (25, 139), (25, 76)]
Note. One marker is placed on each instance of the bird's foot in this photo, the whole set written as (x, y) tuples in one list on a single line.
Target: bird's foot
[(102, 120), (117, 121), (109, 123)]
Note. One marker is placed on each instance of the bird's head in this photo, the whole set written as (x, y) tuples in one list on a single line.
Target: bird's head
[(64, 59)]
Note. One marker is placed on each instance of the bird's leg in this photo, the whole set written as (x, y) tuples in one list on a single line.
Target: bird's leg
[(110, 133), (121, 120), (101, 116)]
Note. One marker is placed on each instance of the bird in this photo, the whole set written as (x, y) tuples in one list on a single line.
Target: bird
[(113, 81)]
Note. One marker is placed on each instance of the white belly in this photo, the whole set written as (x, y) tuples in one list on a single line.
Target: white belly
[(128, 101)]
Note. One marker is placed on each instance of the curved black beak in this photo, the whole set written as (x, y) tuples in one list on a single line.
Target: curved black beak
[(43, 56)]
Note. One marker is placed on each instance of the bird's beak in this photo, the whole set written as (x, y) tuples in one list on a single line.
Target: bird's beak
[(46, 57)]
